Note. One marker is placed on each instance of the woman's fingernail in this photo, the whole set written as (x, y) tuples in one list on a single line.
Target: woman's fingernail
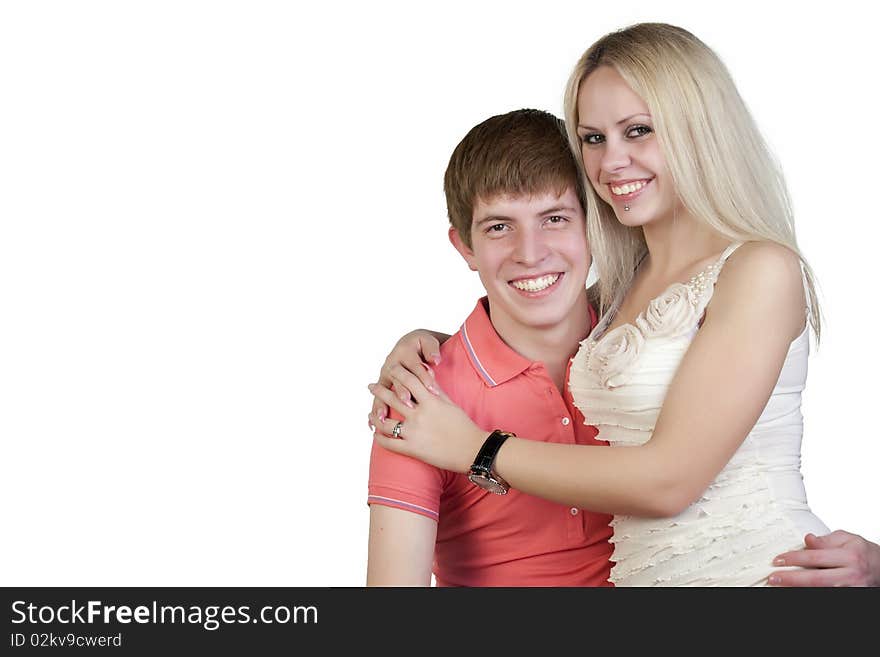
[(779, 561), (434, 390), (370, 386), (408, 403), (775, 580), (436, 359), (381, 416)]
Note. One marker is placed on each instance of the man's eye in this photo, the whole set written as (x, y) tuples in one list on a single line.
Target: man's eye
[(556, 219), (638, 131), (591, 139), (496, 228)]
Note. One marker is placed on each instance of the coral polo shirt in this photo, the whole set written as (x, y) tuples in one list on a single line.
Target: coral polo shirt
[(484, 539)]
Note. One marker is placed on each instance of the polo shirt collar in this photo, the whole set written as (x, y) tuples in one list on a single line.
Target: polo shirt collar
[(492, 359)]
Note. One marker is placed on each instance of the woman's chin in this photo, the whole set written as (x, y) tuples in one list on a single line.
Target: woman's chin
[(631, 218)]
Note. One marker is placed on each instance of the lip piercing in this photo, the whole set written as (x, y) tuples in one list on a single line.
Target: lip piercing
[(626, 208)]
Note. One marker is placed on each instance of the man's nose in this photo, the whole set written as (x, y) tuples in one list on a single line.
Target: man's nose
[(531, 247)]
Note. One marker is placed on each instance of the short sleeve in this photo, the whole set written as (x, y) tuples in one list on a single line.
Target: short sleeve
[(403, 482)]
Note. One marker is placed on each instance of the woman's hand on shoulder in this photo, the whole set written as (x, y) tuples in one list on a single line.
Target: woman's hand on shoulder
[(415, 352), (433, 429)]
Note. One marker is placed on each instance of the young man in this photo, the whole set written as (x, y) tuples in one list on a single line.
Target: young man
[(515, 203)]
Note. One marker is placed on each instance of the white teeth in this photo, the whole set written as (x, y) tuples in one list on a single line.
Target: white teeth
[(629, 188), (535, 284)]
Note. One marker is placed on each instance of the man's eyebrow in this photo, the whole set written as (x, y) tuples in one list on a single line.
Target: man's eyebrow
[(558, 208), (491, 217), (623, 120)]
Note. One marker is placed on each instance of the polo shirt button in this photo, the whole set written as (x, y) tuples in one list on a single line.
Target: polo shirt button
[(573, 511), (565, 421)]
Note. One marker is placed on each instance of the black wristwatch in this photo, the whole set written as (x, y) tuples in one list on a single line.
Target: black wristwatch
[(481, 471)]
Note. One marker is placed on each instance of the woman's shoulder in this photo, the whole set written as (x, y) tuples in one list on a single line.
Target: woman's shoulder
[(764, 277), (763, 266), (766, 254)]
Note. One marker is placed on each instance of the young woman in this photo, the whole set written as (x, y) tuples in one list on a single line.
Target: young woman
[(699, 360)]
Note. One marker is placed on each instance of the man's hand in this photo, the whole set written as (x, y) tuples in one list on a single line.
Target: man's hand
[(836, 559)]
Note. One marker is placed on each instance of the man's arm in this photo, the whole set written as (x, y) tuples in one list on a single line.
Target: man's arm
[(401, 549)]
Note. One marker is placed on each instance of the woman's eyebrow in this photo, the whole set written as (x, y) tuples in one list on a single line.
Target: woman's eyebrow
[(623, 120)]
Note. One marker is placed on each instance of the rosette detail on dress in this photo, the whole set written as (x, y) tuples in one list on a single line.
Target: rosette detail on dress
[(672, 314), (613, 358)]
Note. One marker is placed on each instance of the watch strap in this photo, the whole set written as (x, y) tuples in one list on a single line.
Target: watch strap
[(486, 456)]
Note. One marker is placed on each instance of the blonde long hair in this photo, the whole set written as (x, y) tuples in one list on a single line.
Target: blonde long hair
[(721, 167)]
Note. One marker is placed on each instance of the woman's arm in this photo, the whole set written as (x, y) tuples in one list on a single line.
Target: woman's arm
[(719, 391)]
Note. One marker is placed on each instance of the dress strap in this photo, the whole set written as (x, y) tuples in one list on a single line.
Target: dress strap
[(729, 251), (703, 284)]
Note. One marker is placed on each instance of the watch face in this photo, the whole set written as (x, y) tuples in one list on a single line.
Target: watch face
[(490, 485)]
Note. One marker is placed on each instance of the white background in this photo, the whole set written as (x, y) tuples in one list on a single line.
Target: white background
[(217, 217)]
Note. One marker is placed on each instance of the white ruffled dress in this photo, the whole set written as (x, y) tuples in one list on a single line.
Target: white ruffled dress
[(755, 509)]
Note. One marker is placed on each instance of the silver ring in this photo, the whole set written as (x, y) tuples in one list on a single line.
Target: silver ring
[(397, 429)]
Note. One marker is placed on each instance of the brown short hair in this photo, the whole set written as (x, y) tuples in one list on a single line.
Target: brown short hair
[(522, 152)]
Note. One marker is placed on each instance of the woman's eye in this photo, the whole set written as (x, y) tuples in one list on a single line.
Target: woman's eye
[(592, 138), (638, 131)]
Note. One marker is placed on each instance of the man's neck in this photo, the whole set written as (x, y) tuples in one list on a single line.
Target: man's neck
[(552, 345)]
